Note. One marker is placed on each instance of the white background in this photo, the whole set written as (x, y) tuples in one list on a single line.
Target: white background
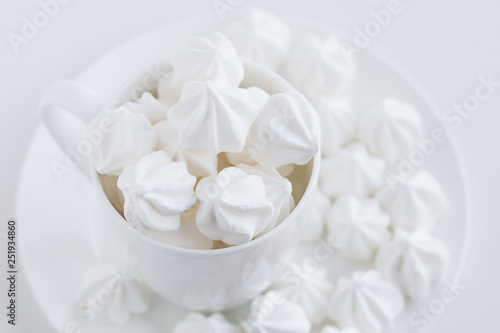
[(443, 46)]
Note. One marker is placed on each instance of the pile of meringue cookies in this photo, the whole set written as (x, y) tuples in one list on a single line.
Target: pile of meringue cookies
[(200, 136)]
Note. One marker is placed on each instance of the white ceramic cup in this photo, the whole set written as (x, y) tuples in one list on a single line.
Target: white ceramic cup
[(201, 280)]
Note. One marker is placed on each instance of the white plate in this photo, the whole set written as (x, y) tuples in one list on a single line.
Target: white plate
[(55, 246)]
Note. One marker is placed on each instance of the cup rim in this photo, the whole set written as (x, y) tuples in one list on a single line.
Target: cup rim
[(315, 160)]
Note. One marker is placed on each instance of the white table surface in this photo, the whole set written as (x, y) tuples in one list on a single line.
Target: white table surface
[(444, 46)]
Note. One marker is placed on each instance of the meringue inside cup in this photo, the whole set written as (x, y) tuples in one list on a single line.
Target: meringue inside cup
[(255, 76)]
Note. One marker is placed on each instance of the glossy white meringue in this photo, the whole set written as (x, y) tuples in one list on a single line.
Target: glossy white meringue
[(357, 227), (392, 130), (286, 131), (197, 323), (187, 236), (309, 290), (418, 202), (339, 124), (128, 138), (365, 302), (331, 329), (233, 206), (278, 191), (352, 170), (260, 37), (200, 163), (213, 117), (149, 106), (272, 313), (318, 66), (156, 191), (111, 292), (212, 58), (317, 217), (415, 262)]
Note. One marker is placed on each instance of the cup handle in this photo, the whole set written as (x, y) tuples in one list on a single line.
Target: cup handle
[(66, 109)]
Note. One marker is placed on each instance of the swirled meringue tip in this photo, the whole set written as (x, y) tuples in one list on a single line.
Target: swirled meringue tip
[(220, 114), (157, 191), (128, 137), (318, 67), (415, 203), (212, 58), (286, 131), (272, 313), (197, 323), (357, 227), (415, 262), (149, 106), (392, 130), (124, 295), (351, 170), (261, 37), (331, 329), (366, 302), (233, 206)]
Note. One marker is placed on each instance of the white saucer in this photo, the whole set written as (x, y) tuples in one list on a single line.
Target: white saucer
[(55, 246)]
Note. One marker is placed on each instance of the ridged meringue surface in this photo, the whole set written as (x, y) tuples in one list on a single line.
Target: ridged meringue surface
[(309, 290), (197, 323), (415, 262), (357, 226), (352, 170), (213, 117), (392, 130), (233, 206), (286, 131), (272, 313), (212, 58), (149, 106), (278, 191), (365, 302), (128, 137), (111, 292), (260, 37), (417, 202), (318, 66), (339, 124), (200, 163), (156, 191), (317, 217)]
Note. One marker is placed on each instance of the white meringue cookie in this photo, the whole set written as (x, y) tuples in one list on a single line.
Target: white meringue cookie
[(415, 262), (111, 292), (168, 94), (187, 236), (272, 313), (233, 206), (156, 191), (259, 96), (317, 217), (212, 58), (331, 329), (352, 170), (260, 37), (149, 106), (318, 67), (357, 227), (339, 124), (213, 117), (286, 131), (128, 137), (246, 156), (200, 163), (197, 323), (392, 130), (278, 191), (365, 302), (414, 203), (310, 291)]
